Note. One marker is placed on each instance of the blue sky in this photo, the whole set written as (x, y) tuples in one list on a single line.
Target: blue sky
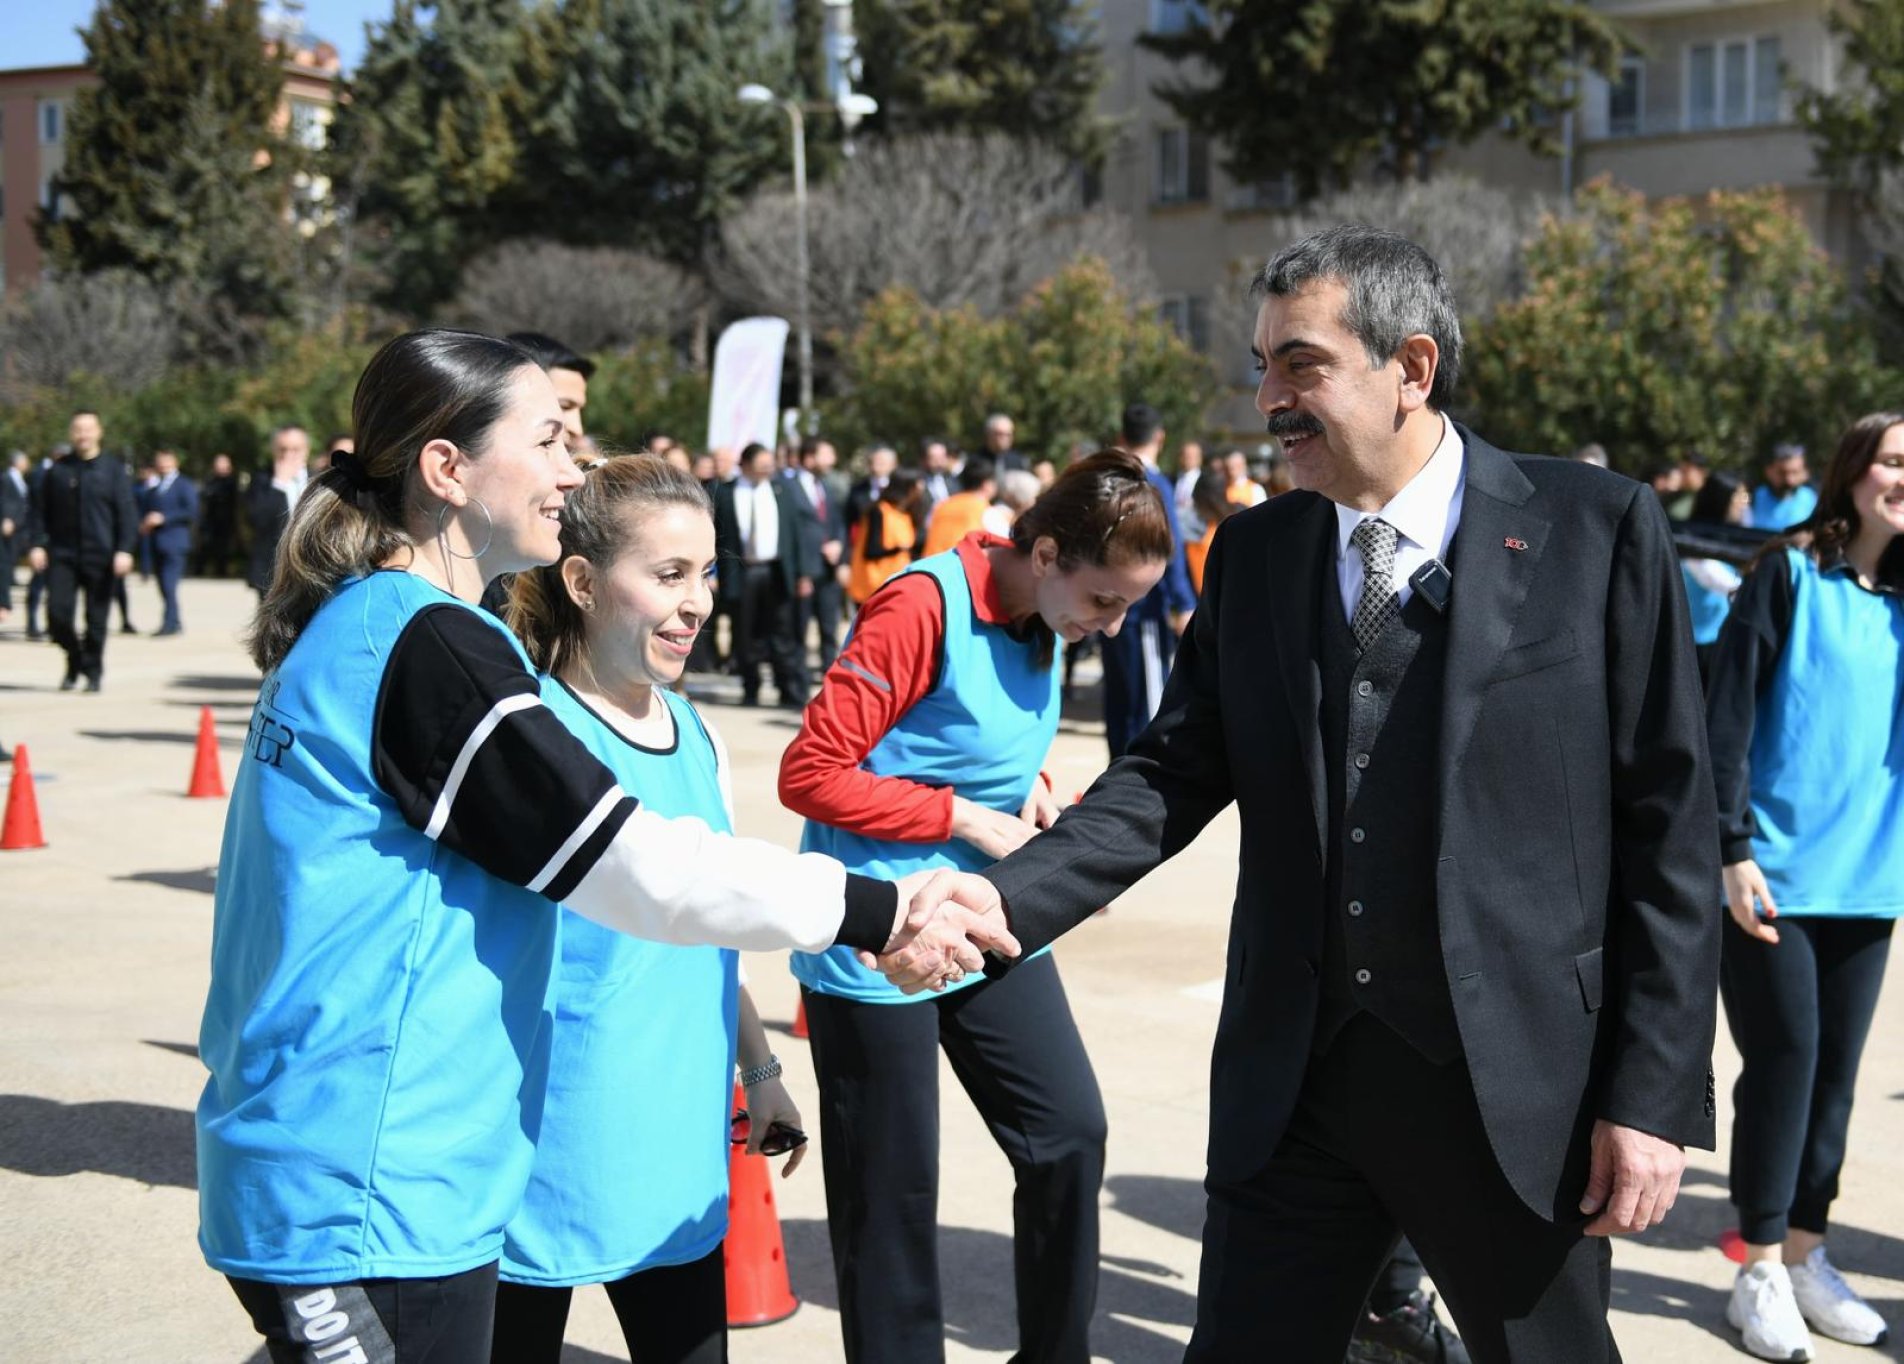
[(44, 32)]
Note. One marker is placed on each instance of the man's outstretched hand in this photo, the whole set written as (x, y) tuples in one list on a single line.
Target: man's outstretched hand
[(948, 921)]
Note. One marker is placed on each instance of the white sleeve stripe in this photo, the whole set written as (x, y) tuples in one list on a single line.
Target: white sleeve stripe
[(590, 823), (509, 705)]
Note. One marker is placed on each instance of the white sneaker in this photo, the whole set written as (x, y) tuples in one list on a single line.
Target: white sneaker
[(1763, 1310), (1831, 1305)]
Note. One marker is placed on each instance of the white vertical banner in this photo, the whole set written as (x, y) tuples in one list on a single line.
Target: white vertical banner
[(745, 402)]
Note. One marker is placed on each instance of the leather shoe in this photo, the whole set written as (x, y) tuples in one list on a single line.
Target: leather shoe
[(68, 682), (164, 630), (92, 684), (1411, 1334)]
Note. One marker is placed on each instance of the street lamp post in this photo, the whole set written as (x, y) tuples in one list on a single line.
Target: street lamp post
[(760, 94), (852, 108)]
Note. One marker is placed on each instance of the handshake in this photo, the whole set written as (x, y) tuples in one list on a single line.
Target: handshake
[(946, 922)]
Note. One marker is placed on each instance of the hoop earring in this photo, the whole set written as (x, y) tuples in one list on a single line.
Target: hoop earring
[(489, 523)]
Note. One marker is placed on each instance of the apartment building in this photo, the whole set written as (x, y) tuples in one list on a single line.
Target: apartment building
[(1704, 103), (35, 111)]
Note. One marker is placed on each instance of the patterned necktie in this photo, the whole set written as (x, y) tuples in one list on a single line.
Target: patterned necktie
[(1379, 604)]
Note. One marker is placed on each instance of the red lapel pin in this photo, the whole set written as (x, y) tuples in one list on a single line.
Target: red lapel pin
[(1517, 545)]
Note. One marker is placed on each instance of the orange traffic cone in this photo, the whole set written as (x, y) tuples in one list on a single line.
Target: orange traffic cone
[(22, 826), (800, 1020), (758, 1290), (207, 781)]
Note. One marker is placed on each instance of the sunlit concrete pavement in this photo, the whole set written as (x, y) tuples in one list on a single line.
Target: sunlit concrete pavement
[(103, 949)]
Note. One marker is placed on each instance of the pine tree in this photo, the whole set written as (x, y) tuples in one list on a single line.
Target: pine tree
[(176, 168), (639, 138), (1322, 88), (426, 145), (1026, 68)]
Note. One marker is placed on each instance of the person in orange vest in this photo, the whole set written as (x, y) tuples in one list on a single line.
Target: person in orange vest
[(1211, 502), (889, 535), (964, 512)]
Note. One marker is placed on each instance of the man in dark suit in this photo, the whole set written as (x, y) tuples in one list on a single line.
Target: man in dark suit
[(13, 518), (269, 497), (85, 528), (1473, 956), (171, 511), (828, 532), (217, 520), (768, 560)]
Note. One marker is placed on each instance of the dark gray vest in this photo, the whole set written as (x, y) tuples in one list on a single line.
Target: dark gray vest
[(1381, 742)]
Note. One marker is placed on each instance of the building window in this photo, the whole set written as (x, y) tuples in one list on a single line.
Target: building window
[(1183, 167), (51, 116), (1768, 81), (1626, 99), (1734, 84), (1090, 185), (1188, 316), (1177, 16), (49, 199), (307, 125)]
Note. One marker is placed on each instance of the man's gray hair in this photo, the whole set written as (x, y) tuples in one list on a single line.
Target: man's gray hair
[(1396, 290)]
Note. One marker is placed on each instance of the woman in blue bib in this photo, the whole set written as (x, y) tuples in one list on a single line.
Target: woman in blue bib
[(1806, 713), (922, 751), (629, 1186), (406, 818)]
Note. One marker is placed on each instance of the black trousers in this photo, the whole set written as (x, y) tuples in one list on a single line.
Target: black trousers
[(1017, 1053), (1382, 1142), (375, 1321), (66, 579), (1799, 1012), (675, 1314), (764, 632), (824, 609)]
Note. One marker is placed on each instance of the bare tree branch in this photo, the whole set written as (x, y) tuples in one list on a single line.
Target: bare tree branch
[(1475, 231), (957, 219), (113, 326), (592, 298)]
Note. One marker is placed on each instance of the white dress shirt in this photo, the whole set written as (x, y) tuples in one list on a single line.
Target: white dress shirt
[(759, 515), (1424, 514)]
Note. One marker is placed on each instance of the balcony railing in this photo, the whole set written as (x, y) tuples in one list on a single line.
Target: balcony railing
[(1672, 122)]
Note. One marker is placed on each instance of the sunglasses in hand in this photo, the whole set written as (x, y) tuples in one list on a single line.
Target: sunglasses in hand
[(780, 1139)]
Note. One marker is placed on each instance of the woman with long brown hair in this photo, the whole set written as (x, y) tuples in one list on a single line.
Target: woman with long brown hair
[(629, 1186), (923, 750), (407, 817), (1806, 712)]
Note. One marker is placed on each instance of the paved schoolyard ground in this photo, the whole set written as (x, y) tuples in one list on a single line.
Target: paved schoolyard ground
[(103, 948)]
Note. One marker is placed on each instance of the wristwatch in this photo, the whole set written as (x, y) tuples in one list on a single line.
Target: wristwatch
[(753, 1075)]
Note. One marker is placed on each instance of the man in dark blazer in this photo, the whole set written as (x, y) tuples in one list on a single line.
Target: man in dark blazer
[(1473, 955), (764, 539), (84, 530), (269, 497), (171, 511), (14, 493), (827, 603)]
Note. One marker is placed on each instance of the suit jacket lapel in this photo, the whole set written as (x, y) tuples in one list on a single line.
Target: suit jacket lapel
[(1296, 584), (1496, 549)]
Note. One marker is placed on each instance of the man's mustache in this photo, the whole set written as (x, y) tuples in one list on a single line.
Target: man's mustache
[(1285, 424)]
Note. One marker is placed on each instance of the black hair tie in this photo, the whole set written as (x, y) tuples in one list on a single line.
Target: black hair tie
[(356, 477)]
